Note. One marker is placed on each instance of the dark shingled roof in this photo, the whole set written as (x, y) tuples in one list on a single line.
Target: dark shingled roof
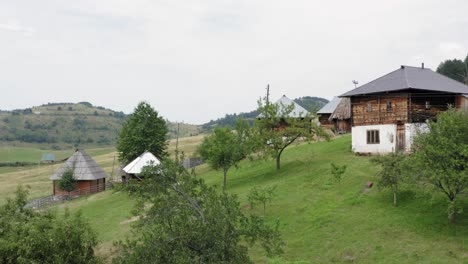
[(85, 168), (408, 77)]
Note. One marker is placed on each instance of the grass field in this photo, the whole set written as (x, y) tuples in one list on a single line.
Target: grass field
[(319, 223)]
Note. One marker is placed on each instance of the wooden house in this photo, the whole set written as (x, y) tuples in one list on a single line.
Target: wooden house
[(387, 112), (336, 115), (89, 176)]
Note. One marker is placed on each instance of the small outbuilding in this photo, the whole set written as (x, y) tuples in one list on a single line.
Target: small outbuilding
[(336, 115), (48, 158), (90, 177), (134, 168)]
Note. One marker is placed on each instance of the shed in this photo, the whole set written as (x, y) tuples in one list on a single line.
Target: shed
[(341, 117), (134, 168), (48, 158), (326, 111), (90, 177)]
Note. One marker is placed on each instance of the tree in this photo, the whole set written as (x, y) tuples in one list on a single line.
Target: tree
[(144, 130), (28, 236), (67, 182), (226, 148), (392, 173), (441, 157), (337, 171), (277, 130), (183, 220), (261, 196), (455, 69)]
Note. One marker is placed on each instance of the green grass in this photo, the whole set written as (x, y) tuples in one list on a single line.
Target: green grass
[(13, 154), (319, 224)]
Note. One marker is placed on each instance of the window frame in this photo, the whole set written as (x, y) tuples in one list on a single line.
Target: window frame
[(373, 136)]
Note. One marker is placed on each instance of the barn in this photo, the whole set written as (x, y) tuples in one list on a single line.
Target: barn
[(90, 177), (336, 115), (389, 111)]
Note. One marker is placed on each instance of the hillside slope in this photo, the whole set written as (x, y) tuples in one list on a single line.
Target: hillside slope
[(64, 125), (320, 223)]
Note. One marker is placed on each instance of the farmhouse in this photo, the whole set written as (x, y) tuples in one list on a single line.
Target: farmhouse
[(336, 115), (89, 176), (134, 168), (387, 112)]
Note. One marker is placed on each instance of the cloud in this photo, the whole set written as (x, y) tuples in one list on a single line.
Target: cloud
[(14, 26)]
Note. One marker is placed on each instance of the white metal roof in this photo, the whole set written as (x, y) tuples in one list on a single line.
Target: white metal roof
[(145, 159), (298, 111), (330, 107)]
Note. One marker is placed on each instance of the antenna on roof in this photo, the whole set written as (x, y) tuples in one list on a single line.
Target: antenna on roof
[(355, 83)]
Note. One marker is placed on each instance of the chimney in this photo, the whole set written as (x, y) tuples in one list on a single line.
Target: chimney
[(422, 65)]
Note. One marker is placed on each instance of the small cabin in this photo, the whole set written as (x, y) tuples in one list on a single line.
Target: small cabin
[(48, 158), (90, 177), (134, 168), (336, 115)]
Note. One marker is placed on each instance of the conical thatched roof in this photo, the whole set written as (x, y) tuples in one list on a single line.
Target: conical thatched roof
[(84, 168), (342, 110)]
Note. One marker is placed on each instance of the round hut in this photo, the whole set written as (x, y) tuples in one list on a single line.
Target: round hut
[(90, 177)]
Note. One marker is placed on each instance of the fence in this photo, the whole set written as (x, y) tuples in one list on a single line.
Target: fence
[(64, 196)]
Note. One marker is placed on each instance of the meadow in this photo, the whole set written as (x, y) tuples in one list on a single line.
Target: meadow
[(319, 223)]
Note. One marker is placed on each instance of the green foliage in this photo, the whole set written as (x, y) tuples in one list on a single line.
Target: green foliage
[(455, 69), (258, 195), (67, 182), (183, 220), (276, 130), (440, 157), (27, 236), (392, 173), (144, 130), (226, 148), (338, 171)]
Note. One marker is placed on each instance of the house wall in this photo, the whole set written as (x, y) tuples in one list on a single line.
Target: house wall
[(324, 122), (419, 112), (379, 113), (462, 102), (82, 188), (411, 131), (387, 139)]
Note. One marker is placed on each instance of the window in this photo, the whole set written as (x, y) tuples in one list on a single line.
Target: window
[(389, 106), (373, 137), (369, 107)]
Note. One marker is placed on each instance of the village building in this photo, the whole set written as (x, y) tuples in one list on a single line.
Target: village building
[(134, 168), (297, 111), (90, 177), (336, 115), (48, 158), (388, 112)]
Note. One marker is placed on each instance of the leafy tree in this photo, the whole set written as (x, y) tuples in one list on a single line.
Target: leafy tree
[(277, 130), (183, 220), (392, 173), (441, 157), (226, 148), (67, 182), (455, 69), (261, 196), (144, 130), (338, 171), (27, 236)]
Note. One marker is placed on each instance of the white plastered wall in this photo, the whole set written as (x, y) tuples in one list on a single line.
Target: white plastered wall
[(411, 130), (387, 139)]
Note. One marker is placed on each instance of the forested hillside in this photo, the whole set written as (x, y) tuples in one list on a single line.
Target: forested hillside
[(61, 125)]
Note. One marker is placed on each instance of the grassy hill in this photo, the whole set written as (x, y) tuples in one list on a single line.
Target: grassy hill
[(319, 223), (68, 125)]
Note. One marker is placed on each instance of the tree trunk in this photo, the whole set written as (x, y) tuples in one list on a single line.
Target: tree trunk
[(394, 199), (225, 178), (452, 211), (278, 162)]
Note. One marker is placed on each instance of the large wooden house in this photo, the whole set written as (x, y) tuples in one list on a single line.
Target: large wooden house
[(387, 112)]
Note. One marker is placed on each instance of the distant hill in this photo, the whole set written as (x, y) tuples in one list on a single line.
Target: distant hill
[(312, 104), (61, 125)]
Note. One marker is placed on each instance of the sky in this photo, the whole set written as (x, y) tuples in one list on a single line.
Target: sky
[(197, 60)]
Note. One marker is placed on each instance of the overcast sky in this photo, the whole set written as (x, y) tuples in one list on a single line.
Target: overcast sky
[(198, 60)]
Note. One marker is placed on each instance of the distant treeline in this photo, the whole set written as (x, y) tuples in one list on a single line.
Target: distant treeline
[(312, 104)]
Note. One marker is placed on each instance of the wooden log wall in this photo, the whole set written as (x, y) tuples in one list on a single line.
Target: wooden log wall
[(379, 109), (427, 106)]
